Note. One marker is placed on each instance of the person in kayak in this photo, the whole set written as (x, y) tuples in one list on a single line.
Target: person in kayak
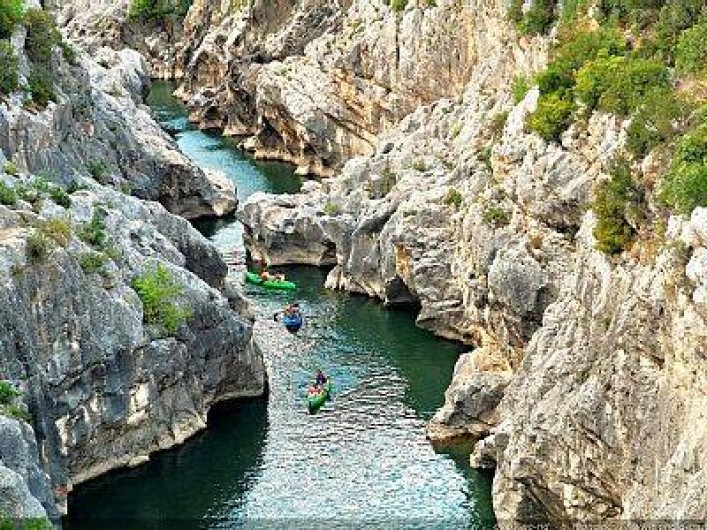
[(320, 378), (291, 317), (275, 277), (313, 390)]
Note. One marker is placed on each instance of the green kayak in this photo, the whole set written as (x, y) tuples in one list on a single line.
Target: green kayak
[(253, 278), (315, 402)]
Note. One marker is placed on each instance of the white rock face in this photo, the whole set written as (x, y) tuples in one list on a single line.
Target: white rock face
[(99, 121)]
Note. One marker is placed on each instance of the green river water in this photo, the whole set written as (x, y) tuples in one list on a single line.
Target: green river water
[(363, 461)]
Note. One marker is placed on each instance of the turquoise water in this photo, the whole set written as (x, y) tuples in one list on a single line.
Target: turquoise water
[(363, 461)]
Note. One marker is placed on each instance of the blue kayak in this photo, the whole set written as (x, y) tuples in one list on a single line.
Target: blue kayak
[(293, 323)]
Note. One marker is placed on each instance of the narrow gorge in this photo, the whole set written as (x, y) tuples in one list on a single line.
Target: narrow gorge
[(529, 177)]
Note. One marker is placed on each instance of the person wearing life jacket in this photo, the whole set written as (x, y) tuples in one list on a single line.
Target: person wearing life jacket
[(320, 378)]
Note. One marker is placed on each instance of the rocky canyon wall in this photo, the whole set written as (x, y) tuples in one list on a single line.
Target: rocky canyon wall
[(117, 328)]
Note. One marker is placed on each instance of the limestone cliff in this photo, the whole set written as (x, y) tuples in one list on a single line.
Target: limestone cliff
[(99, 127), (117, 327)]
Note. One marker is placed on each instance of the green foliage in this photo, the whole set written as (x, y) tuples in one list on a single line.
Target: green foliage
[(691, 51), (619, 84), (519, 88), (662, 116), (498, 122), (75, 186), (38, 248), (42, 36), (515, 11), (157, 10), (10, 15), (551, 117), (56, 228), (92, 261), (8, 393), (8, 68), (158, 290), (9, 407), (60, 196), (419, 165), (571, 9), (8, 196), (18, 413), (616, 199), (41, 86), (496, 216), (94, 231), (684, 186), (539, 17), (10, 168), (576, 49), (453, 198), (398, 5), (674, 18), (331, 208), (485, 157), (69, 53), (98, 170)]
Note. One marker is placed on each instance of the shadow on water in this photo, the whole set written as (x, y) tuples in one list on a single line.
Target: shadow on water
[(168, 491), (363, 460)]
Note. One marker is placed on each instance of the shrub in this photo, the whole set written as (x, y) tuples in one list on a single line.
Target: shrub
[(574, 50), (552, 116), (10, 168), (8, 196), (38, 248), (675, 17), (691, 50), (631, 83), (56, 228), (498, 122), (539, 18), (519, 88), (331, 208), (91, 261), (496, 216), (42, 36), (8, 68), (41, 86), (154, 10), (453, 198), (661, 117), (18, 413), (8, 393), (684, 186), (94, 231), (398, 5), (60, 196), (419, 165), (515, 11), (157, 290), (614, 200), (98, 170), (74, 186), (10, 15), (69, 53)]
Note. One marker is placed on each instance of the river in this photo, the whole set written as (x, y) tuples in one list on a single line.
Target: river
[(265, 463)]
